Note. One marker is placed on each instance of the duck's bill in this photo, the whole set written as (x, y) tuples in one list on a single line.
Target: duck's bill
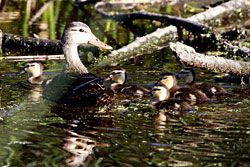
[(96, 42)]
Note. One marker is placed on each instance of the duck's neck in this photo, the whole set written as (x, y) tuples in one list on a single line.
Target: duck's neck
[(35, 80), (163, 96), (121, 80), (73, 61)]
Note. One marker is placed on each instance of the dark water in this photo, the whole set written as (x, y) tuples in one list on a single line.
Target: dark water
[(36, 133)]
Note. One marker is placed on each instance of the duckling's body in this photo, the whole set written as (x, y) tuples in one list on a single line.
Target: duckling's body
[(191, 95), (119, 77), (162, 94), (75, 86), (35, 69), (209, 89)]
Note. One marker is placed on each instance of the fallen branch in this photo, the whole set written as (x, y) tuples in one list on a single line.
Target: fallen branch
[(159, 38), (188, 56), (173, 20)]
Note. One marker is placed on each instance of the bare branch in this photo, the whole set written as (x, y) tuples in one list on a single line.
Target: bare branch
[(189, 56)]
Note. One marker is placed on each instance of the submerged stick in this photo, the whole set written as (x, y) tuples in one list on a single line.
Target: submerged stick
[(33, 58), (189, 56)]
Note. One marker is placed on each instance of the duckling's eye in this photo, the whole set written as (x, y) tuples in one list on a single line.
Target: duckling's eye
[(156, 89), (82, 30), (115, 73)]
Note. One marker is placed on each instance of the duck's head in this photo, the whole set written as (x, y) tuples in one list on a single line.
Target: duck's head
[(168, 79), (119, 76), (188, 75), (160, 92), (35, 69), (77, 33)]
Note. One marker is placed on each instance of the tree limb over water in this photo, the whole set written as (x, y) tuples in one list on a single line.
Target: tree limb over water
[(157, 40), (188, 56), (173, 20)]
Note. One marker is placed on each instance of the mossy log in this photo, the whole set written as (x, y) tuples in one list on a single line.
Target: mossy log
[(28, 45), (158, 39), (188, 56)]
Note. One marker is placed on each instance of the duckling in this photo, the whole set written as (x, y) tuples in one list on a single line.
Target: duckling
[(62, 88), (209, 89), (191, 95), (119, 76), (162, 94), (35, 69)]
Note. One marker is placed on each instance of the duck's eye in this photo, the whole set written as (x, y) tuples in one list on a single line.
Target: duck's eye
[(82, 30)]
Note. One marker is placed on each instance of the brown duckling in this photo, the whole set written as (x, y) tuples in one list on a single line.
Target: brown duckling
[(163, 100), (191, 95), (35, 70), (119, 76), (209, 89), (62, 88)]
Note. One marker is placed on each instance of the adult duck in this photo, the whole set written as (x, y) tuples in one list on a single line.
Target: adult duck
[(163, 100), (64, 88), (191, 95), (209, 89), (119, 76)]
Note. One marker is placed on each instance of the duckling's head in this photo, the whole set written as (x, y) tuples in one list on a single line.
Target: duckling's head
[(35, 69), (188, 75), (168, 79), (77, 33), (119, 76), (160, 92)]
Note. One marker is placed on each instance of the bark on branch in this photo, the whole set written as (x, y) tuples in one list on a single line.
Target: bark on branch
[(28, 45), (188, 56)]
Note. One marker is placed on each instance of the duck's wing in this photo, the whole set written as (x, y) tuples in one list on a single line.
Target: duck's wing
[(175, 105), (135, 90), (63, 85), (211, 89)]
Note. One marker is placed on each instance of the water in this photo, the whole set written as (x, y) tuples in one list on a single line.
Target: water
[(36, 133)]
